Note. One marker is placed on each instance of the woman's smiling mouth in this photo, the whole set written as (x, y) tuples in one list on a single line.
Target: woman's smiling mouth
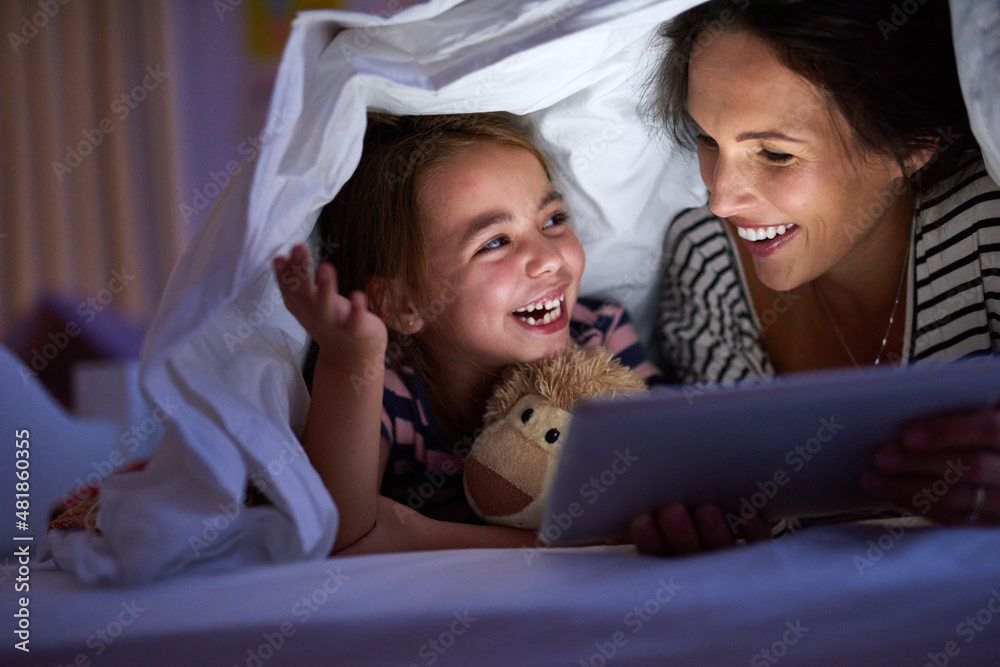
[(762, 233)]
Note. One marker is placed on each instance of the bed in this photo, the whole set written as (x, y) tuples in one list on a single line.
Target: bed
[(829, 596), (183, 573)]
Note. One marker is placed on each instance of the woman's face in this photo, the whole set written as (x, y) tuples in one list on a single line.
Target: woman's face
[(782, 168)]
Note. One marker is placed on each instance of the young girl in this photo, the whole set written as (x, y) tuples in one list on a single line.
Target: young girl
[(453, 259)]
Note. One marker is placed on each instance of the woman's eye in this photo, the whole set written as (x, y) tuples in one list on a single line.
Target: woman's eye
[(706, 141), (495, 244), (776, 158), (557, 218)]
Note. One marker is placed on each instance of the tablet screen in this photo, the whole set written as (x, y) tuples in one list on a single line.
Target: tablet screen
[(796, 446)]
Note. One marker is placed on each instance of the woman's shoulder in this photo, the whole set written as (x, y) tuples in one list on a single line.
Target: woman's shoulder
[(696, 246), (968, 197), (693, 224)]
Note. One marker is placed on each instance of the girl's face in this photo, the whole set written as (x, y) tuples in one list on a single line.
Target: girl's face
[(505, 265), (781, 167)]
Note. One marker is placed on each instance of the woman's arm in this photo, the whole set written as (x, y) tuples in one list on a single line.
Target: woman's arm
[(341, 435)]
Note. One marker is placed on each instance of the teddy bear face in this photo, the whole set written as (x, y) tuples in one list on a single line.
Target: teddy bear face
[(510, 465)]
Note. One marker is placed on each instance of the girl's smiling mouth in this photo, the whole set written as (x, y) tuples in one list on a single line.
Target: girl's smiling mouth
[(543, 312)]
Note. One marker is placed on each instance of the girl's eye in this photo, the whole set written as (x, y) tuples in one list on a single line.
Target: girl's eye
[(494, 244), (776, 158), (557, 218)]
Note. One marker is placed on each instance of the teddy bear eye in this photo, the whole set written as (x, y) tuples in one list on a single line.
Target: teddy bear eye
[(551, 435), (526, 415)]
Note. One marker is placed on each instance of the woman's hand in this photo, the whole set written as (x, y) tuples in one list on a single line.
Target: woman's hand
[(672, 530), (945, 467), (333, 321)]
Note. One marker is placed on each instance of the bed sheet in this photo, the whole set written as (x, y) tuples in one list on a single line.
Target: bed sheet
[(845, 595)]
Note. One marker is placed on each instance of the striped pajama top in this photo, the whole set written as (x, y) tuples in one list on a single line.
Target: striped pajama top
[(709, 332), (424, 468)]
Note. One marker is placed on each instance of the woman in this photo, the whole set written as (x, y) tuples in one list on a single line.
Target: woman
[(850, 222)]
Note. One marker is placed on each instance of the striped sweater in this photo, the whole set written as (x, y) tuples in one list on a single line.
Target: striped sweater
[(710, 332)]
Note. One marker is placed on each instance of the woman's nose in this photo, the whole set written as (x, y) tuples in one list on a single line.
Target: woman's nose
[(729, 185)]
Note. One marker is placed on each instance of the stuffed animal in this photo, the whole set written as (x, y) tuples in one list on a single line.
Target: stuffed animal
[(509, 467)]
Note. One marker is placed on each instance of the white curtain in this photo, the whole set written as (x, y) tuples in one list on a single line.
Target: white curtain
[(89, 159)]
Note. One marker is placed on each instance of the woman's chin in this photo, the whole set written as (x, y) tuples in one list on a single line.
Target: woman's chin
[(779, 279)]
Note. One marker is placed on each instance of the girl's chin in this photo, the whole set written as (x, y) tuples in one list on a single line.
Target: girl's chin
[(555, 346)]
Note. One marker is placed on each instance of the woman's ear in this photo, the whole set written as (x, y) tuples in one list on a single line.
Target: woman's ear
[(393, 303), (917, 160)]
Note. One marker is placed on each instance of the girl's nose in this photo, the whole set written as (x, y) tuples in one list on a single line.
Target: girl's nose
[(543, 256)]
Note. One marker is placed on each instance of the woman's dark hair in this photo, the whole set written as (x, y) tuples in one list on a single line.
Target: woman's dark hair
[(887, 66)]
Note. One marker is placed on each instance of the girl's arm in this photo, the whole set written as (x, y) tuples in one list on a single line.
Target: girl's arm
[(341, 436), (401, 528)]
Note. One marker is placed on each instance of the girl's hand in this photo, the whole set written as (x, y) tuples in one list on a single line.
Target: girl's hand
[(673, 530), (945, 467), (334, 322)]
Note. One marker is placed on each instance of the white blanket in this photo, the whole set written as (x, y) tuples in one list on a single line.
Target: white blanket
[(225, 349)]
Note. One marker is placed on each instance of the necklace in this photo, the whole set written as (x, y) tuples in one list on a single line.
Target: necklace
[(888, 328)]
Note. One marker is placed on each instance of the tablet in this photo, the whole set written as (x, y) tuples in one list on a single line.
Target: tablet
[(796, 446)]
